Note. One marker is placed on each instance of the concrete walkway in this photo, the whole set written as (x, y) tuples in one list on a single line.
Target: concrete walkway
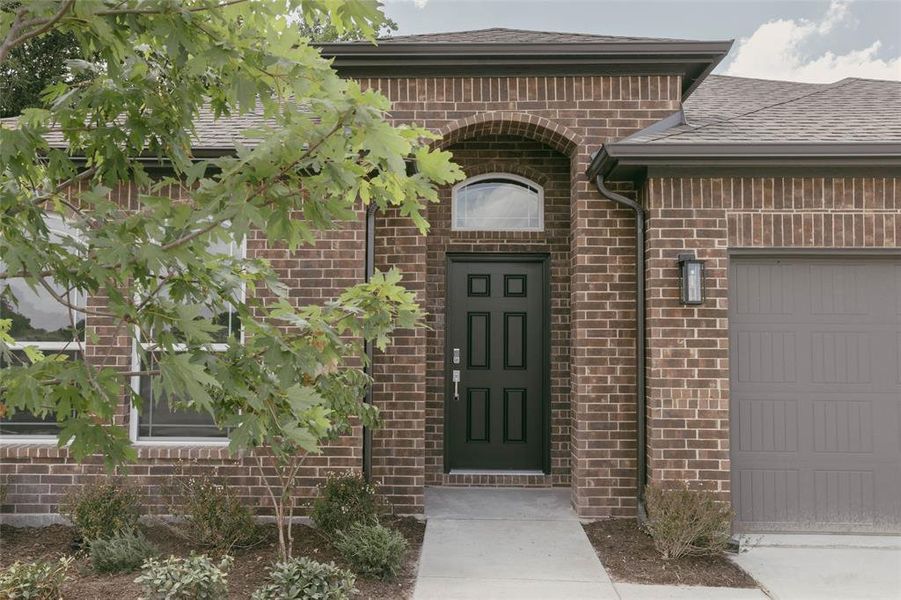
[(825, 567), (489, 543), (506, 543)]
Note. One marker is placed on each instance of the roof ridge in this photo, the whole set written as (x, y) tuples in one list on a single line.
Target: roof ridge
[(601, 37), (825, 87), (723, 76)]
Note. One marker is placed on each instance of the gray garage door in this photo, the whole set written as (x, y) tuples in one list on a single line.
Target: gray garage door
[(815, 347)]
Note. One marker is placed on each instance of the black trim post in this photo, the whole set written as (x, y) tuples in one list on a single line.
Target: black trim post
[(369, 269)]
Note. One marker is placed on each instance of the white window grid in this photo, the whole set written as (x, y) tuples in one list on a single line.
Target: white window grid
[(56, 225), (148, 347)]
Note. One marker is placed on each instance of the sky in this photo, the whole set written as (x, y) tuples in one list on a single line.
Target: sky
[(799, 40)]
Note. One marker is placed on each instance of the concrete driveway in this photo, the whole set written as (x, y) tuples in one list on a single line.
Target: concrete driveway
[(825, 567)]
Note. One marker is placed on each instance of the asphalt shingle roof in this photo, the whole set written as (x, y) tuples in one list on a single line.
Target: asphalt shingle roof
[(209, 133), (734, 110), (503, 35), (722, 110)]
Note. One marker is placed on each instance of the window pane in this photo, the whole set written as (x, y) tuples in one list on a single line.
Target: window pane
[(227, 317), (497, 204), (158, 419), (25, 423), (37, 316)]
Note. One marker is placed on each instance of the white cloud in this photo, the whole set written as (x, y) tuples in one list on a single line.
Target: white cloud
[(776, 50), (420, 3)]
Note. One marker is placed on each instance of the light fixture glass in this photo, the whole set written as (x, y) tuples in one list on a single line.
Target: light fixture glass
[(691, 275)]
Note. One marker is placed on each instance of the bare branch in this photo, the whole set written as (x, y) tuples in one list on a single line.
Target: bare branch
[(13, 38), (63, 186), (152, 11), (8, 275), (339, 125), (66, 303)]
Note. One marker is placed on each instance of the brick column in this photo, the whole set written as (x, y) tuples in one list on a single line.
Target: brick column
[(603, 351), (398, 447), (688, 346)]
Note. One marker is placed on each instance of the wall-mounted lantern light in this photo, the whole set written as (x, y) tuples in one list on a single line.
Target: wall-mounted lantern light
[(691, 279)]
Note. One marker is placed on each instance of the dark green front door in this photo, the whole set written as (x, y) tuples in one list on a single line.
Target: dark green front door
[(496, 352)]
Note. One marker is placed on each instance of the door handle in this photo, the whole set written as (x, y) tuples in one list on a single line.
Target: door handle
[(455, 377)]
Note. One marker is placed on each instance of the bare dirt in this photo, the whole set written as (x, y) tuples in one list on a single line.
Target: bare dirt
[(629, 555)]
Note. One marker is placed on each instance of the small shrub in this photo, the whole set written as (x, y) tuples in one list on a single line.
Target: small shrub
[(39, 580), (305, 579), (344, 500), (126, 551), (372, 550), (102, 509), (686, 522), (194, 578), (214, 518)]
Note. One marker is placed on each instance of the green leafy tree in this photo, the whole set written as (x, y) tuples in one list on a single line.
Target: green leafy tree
[(321, 30), (325, 151), (44, 60), (33, 66)]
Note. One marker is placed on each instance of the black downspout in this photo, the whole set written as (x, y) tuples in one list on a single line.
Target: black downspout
[(367, 276), (640, 387)]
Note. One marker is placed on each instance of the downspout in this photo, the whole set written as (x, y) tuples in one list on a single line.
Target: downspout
[(369, 260), (640, 387)]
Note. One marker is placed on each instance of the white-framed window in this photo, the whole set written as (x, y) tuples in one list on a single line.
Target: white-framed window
[(159, 422), (497, 202), (40, 321)]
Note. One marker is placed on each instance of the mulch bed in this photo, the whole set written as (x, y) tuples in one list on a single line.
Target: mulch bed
[(246, 574), (629, 555)]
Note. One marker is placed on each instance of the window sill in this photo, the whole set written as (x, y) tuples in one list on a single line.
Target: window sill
[(184, 449), (27, 440), (147, 450)]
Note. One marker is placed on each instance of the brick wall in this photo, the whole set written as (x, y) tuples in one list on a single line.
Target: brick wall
[(688, 349), (566, 118), (574, 116), (37, 475)]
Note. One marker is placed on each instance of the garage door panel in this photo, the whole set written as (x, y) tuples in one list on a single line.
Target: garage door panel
[(839, 289), (844, 496), (765, 355), (767, 495), (843, 426), (815, 372), (766, 288), (766, 425)]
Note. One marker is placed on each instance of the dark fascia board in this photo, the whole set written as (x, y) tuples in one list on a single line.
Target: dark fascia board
[(632, 161), (693, 60)]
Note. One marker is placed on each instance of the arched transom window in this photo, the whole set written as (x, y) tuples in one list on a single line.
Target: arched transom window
[(497, 202)]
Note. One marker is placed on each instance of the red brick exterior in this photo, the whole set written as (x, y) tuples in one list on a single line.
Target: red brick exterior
[(37, 475), (572, 116), (688, 347), (545, 129)]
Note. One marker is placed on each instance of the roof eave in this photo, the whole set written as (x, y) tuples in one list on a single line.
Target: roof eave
[(693, 60), (627, 161)]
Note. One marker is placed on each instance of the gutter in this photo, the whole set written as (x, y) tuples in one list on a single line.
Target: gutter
[(634, 160), (369, 269), (640, 318)]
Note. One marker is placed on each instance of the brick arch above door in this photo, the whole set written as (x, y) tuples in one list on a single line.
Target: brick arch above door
[(508, 166), (534, 127)]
